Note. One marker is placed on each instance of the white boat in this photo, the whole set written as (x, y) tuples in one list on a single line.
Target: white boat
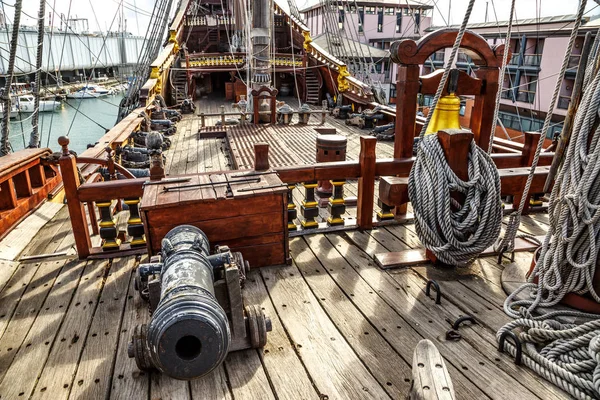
[(26, 104), (14, 111), (86, 92), (100, 89)]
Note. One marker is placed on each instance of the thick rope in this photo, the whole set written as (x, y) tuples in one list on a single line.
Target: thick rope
[(502, 72), (508, 242), (455, 234), (447, 68)]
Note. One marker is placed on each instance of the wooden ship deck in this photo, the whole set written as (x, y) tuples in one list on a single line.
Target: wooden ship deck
[(342, 327)]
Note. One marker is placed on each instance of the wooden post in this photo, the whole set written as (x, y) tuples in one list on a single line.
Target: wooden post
[(483, 109), (406, 110), (366, 182), (261, 156), (456, 144), (202, 121), (531, 140), (323, 111), (222, 115), (70, 177)]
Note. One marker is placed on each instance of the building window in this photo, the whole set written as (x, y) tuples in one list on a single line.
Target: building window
[(398, 22), (341, 17), (370, 10), (389, 11), (380, 20), (407, 11), (352, 9), (361, 18), (392, 91)]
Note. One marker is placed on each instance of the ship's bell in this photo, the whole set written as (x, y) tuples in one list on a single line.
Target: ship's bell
[(447, 112)]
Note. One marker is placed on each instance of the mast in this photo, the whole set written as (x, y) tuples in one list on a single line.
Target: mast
[(34, 140), (5, 145), (261, 43)]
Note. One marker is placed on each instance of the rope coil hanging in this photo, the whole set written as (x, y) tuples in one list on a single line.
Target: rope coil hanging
[(455, 233), (465, 233)]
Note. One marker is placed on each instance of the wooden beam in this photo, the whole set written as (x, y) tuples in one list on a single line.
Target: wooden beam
[(366, 182)]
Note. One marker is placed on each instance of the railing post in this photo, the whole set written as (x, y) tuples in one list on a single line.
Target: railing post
[(386, 211), (291, 208), (531, 140), (135, 227), (202, 122), (70, 177), (323, 111), (261, 156), (337, 204), (309, 208), (366, 182), (222, 115)]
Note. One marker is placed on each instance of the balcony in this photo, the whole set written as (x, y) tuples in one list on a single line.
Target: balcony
[(563, 102), (526, 96), (532, 60)]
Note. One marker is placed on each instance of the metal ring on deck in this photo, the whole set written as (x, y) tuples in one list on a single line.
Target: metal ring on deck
[(462, 319), (517, 344), (438, 294)]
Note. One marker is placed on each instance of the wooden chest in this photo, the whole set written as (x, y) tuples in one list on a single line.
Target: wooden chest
[(241, 214)]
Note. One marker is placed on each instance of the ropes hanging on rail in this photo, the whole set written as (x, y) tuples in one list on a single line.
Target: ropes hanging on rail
[(455, 233), (465, 233)]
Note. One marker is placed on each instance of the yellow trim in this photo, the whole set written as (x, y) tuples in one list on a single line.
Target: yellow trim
[(131, 221), (309, 185), (291, 187), (154, 73), (309, 224), (309, 204), (335, 221), (107, 224), (338, 183), (291, 206), (112, 245), (535, 203), (387, 215), (107, 204), (336, 201), (292, 226), (129, 202), (307, 40), (343, 85), (137, 242)]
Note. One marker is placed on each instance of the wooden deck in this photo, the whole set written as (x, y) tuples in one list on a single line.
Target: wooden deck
[(342, 328)]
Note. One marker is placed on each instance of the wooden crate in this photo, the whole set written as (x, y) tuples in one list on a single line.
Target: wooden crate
[(252, 221)]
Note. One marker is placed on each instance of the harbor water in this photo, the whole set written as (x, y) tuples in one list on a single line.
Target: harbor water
[(84, 120)]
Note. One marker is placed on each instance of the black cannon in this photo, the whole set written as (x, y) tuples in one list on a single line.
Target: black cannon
[(342, 112), (198, 315)]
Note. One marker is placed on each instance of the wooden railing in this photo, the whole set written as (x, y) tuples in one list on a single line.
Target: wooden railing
[(25, 181), (243, 115), (228, 60), (209, 20)]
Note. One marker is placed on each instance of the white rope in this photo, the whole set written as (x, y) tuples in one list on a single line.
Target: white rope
[(508, 242), (502, 72), (455, 237)]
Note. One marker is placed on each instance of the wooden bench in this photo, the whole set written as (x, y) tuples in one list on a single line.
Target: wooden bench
[(24, 183)]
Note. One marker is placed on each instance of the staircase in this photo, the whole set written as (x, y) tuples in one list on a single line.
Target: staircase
[(179, 81), (211, 39), (312, 87)]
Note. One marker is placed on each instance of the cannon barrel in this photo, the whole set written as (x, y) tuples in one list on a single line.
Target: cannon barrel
[(199, 315)]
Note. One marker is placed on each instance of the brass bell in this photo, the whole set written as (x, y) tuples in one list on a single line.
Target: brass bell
[(447, 112)]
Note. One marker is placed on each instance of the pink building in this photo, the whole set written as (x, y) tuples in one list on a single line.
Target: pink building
[(375, 24), (538, 47)]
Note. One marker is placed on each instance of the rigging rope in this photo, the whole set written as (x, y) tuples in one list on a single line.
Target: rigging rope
[(5, 146), (34, 140), (508, 242)]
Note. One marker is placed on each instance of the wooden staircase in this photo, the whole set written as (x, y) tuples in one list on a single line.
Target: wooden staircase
[(180, 86), (211, 39), (312, 87)]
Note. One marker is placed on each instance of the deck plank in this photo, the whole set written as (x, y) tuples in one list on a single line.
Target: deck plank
[(284, 368), (365, 339), (212, 386), (20, 378), (94, 372), (334, 367), (165, 388), (64, 354), (128, 382), (247, 376)]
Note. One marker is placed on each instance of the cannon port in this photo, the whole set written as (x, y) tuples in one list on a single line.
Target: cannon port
[(188, 347)]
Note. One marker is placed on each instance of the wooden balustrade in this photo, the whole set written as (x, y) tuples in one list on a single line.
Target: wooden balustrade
[(25, 181)]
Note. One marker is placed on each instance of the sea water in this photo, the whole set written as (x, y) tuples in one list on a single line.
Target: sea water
[(84, 120)]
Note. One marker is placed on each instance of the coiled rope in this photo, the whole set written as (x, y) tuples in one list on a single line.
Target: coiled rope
[(455, 233), (568, 355)]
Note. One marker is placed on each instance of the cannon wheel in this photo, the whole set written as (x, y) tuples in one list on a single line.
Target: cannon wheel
[(138, 349), (257, 326)]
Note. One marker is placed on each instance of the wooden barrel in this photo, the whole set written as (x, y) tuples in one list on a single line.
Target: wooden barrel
[(330, 148)]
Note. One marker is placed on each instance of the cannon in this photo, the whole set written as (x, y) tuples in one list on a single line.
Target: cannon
[(198, 314), (341, 112)]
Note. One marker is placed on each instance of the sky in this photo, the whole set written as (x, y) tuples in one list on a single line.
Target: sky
[(101, 13)]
